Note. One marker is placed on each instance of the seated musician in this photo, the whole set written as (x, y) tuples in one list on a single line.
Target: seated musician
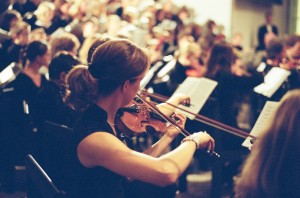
[(102, 163)]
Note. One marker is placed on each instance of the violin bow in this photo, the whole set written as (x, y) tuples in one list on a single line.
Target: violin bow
[(184, 132), (203, 119)]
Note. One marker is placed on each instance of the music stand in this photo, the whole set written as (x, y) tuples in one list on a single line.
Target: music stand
[(8, 74), (39, 183)]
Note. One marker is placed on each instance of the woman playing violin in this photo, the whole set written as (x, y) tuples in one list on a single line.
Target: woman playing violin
[(101, 162)]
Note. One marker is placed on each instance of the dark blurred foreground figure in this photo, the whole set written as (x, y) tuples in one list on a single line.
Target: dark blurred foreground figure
[(272, 169)]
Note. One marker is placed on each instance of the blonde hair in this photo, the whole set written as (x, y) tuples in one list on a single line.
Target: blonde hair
[(19, 27), (43, 9)]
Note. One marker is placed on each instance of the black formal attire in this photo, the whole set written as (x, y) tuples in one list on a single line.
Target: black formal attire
[(176, 76), (227, 97), (23, 8), (26, 90), (31, 19), (53, 108), (15, 53), (99, 181), (19, 130), (4, 45), (262, 31)]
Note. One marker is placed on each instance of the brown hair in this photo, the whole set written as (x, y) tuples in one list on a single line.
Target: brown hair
[(112, 64), (64, 42), (221, 58), (272, 170)]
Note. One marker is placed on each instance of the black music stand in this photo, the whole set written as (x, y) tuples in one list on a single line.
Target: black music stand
[(39, 183)]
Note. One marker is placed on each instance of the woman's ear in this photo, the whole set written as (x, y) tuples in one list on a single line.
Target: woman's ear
[(125, 85)]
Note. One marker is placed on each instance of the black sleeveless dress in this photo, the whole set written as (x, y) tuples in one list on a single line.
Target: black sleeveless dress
[(93, 182)]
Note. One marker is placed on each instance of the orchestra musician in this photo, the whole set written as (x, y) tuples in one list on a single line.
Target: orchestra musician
[(101, 162)]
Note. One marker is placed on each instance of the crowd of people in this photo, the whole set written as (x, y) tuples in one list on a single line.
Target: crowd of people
[(82, 61)]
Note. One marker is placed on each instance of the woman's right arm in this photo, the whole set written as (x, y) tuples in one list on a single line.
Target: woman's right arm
[(103, 149)]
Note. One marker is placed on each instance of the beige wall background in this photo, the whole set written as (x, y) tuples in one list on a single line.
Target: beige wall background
[(247, 16), (244, 16)]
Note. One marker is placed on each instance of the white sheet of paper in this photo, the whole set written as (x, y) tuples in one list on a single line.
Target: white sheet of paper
[(263, 120), (198, 89), (7, 74), (273, 80)]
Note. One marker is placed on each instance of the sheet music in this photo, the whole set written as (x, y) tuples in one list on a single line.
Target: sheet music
[(263, 120), (9, 74), (273, 80), (198, 89)]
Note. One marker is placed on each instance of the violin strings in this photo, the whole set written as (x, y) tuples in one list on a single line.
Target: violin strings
[(154, 108)]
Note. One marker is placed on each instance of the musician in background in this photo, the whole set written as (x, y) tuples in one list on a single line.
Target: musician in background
[(230, 85), (64, 42), (15, 51), (188, 64), (22, 110), (283, 54), (224, 103), (272, 169), (292, 62), (50, 97)]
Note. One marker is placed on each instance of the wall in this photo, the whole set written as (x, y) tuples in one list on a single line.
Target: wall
[(244, 16), (217, 10), (248, 15)]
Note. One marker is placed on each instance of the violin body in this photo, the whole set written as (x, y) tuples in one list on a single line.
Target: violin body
[(138, 118)]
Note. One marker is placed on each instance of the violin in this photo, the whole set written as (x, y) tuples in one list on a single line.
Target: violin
[(181, 130), (137, 118)]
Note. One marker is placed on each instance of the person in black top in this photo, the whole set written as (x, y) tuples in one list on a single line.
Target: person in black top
[(51, 96), (101, 162), (8, 19), (187, 64), (15, 50), (230, 86), (30, 81), (26, 6), (266, 32), (22, 107)]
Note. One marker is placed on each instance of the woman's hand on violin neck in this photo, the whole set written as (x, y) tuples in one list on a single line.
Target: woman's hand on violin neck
[(173, 131)]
